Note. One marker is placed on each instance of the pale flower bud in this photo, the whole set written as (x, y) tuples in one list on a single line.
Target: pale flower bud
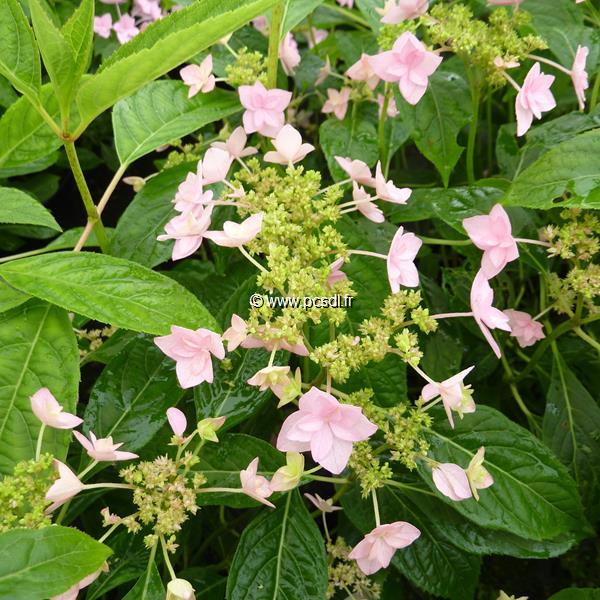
[(180, 589), (287, 478), (207, 428), (136, 182)]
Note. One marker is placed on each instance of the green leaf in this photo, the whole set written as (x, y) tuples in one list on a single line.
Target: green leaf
[(19, 57), (221, 464), (569, 167), (437, 119), (27, 144), (38, 350), (296, 12), (229, 394), (350, 138), (37, 563), (533, 495), (148, 587), (130, 398), (9, 297), (570, 428), (161, 112), (160, 48), (369, 9), (280, 556), (430, 562), (108, 289), (207, 582), (18, 207)]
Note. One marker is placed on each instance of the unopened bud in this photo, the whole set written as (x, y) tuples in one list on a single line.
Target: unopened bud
[(207, 428), (180, 589)]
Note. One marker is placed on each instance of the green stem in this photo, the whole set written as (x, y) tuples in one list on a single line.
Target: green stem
[(475, 97), (440, 242), (381, 128), (38, 447), (274, 35), (151, 560), (595, 92), (108, 533), (327, 479), (518, 399), (587, 338), (94, 219), (166, 557)]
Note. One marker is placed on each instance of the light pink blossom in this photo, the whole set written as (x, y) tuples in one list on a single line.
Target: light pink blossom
[(72, 592), (288, 54), (396, 11), (364, 204), (455, 395), (324, 72), (400, 261), (177, 421), (46, 408), (254, 485), (215, 165), (192, 352), (337, 102), (280, 344), (486, 316), (236, 144), (147, 10), (316, 36), (236, 333), (289, 148), (392, 110), (325, 506), (103, 25), (125, 28), (64, 488), (288, 477), (264, 108), (524, 328), (452, 481), (190, 193), (579, 75), (386, 190), (188, 230), (272, 378), (356, 169), (533, 98), (326, 428), (362, 70), (335, 272), (378, 547), (199, 78), (409, 63), (103, 449), (493, 234), (234, 234), (261, 24), (348, 3)]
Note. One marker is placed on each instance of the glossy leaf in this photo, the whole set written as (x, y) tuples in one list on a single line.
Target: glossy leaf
[(38, 350), (161, 47), (37, 563), (296, 11), (148, 587), (570, 428), (533, 495), (280, 556), (108, 289), (437, 119), (18, 207), (431, 562), (221, 464), (161, 112), (130, 398)]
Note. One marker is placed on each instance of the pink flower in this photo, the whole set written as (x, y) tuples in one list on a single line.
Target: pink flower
[(533, 98), (324, 72), (337, 102), (386, 190), (524, 328), (236, 333), (273, 378), (455, 395), (255, 486), (289, 147), (357, 170), (378, 547), (325, 506), (125, 28), (236, 144), (410, 64), (400, 261), (147, 10), (396, 11), (264, 108), (316, 36), (177, 421), (215, 165), (486, 316), (326, 428), (288, 54), (478, 475), (362, 70), (288, 477), (261, 24), (235, 235), (364, 204), (199, 78), (72, 592), (335, 273), (188, 230), (348, 3), (493, 234), (192, 351), (64, 488), (579, 75), (392, 110), (103, 25), (452, 481), (103, 449), (253, 342), (50, 412), (190, 193)]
